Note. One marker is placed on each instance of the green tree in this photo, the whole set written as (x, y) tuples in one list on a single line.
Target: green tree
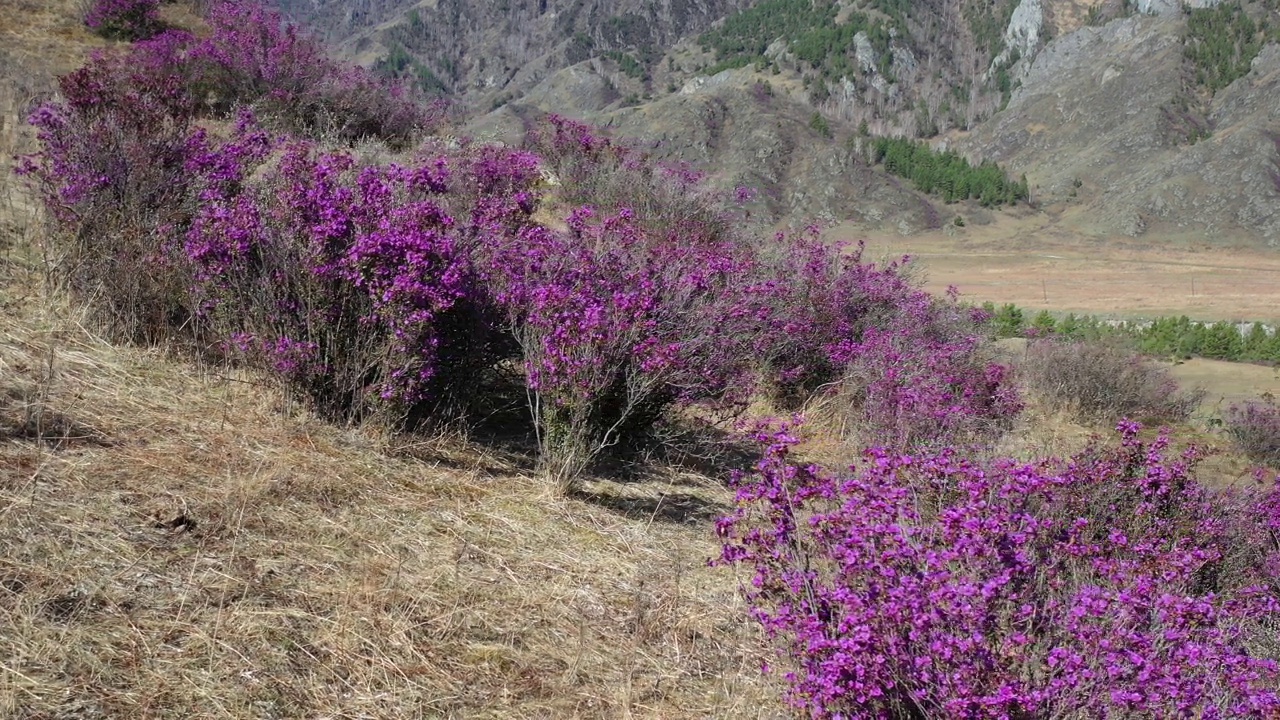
[(1043, 323), (1008, 321), (1221, 341), (1256, 344)]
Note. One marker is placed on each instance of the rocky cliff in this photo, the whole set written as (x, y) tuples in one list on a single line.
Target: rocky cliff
[(1105, 121)]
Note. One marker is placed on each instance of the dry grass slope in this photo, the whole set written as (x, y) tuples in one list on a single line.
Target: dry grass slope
[(181, 542), (177, 542)]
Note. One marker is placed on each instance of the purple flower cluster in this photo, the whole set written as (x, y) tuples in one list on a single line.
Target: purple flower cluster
[(929, 585), (252, 56), (906, 366), (368, 266), (614, 323), (392, 288), (113, 164), (124, 19), (920, 381)]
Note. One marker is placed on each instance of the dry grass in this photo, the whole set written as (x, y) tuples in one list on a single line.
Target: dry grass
[(180, 543), (1048, 429), (1041, 261)]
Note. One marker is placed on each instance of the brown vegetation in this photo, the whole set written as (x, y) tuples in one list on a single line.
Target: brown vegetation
[(1101, 384), (180, 542)]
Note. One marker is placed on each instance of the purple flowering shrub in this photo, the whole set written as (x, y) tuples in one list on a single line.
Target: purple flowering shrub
[(400, 290), (124, 19), (111, 173), (929, 585), (112, 168), (1255, 426), (803, 311), (354, 282), (254, 57), (666, 200), (370, 286), (921, 380), (901, 366), (816, 297), (615, 325)]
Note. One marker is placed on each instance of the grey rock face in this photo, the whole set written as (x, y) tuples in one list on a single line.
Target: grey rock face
[(1100, 118), (766, 143), (1102, 106), (1162, 7), (1023, 34)]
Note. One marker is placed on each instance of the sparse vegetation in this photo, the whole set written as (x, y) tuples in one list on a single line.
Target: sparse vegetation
[(1003, 80), (819, 123), (1103, 384), (1222, 42), (987, 22), (1255, 426), (628, 64)]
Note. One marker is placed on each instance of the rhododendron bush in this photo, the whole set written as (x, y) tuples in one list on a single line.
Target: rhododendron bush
[(207, 190), (124, 19), (906, 367), (362, 284), (252, 56), (929, 585), (615, 325)]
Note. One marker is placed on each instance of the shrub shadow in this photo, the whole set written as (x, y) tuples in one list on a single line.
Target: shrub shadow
[(675, 508), (696, 450)]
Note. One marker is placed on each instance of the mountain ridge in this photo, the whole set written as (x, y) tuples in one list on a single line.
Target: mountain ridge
[(1078, 95)]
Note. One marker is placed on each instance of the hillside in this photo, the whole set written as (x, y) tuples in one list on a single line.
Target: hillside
[(312, 406), (748, 134), (1107, 123), (1108, 95), (188, 541)]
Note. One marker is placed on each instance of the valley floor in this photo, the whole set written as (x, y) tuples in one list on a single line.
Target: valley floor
[(1033, 262)]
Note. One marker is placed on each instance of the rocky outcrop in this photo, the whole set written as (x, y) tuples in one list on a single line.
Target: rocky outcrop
[(1023, 34), (488, 49), (725, 124), (1095, 125), (1162, 7), (1100, 118)]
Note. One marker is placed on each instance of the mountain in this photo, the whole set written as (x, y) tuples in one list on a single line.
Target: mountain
[(1107, 119), (1127, 117)]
